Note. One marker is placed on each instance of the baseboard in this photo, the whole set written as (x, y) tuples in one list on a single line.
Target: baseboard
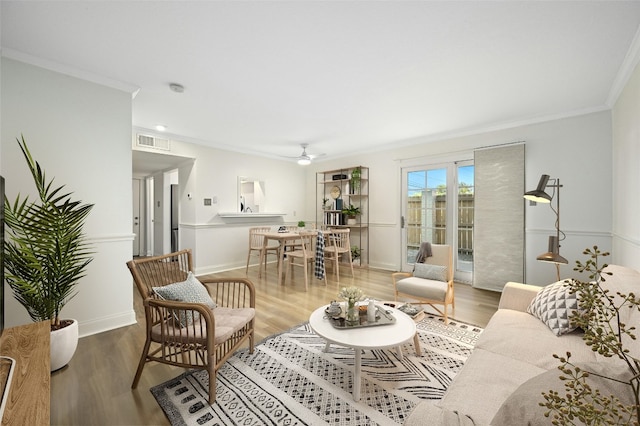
[(99, 325)]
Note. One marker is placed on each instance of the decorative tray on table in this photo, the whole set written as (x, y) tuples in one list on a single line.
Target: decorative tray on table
[(383, 317)]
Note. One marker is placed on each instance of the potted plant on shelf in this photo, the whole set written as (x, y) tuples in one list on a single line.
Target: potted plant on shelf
[(45, 255), (355, 180), (351, 212), (301, 224), (324, 204), (355, 255)]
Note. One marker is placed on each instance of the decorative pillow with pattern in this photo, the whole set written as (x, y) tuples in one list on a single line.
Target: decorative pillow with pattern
[(430, 272), (192, 291), (554, 305)]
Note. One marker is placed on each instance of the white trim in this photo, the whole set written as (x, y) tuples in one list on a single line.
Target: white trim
[(626, 70), (249, 215), (576, 233), (632, 241), (435, 160), (70, 71), (475, 131), (113, 238), (107, 323)]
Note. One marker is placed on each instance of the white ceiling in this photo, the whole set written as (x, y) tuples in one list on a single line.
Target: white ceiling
[(342, 76)]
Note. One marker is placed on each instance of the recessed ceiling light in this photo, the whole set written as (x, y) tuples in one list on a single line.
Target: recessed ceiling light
[(161, 127), (178, 88)]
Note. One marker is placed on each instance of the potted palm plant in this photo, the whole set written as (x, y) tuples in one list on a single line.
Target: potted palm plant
[(45, 255)]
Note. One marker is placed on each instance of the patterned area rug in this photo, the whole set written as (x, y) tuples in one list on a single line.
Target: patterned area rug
[(290, 380)]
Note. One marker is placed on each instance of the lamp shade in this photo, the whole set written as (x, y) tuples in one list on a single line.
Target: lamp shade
[(539, 195), (553, 255)]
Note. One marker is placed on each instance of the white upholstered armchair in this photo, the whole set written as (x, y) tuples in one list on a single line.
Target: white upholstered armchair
[(431, 282)]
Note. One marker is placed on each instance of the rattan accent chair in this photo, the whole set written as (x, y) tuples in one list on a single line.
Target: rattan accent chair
[(210, 336), (429, 290)]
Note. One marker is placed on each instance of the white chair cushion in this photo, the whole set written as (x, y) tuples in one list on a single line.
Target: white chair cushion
[(228, 321), (421, 287)]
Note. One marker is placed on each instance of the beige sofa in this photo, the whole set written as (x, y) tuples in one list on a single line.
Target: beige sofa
[(514, 348)]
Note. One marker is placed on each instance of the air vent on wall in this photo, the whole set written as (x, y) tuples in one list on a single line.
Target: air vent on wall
[(153, 142)]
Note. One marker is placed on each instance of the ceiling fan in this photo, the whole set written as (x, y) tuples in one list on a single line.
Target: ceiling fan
[(304, 159)]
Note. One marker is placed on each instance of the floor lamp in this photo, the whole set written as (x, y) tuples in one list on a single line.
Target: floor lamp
[(540, 196)]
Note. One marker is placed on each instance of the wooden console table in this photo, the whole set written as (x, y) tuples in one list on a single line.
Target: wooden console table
[(29, 401)]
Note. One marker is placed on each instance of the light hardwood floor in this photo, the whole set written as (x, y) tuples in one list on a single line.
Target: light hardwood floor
[(95, 388)]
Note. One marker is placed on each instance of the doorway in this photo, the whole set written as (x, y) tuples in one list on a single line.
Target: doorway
[(437, 206), (138, 216), (153, 175)]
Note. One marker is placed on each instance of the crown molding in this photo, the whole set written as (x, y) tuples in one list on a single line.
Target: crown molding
[(626, 70), (70, 71)]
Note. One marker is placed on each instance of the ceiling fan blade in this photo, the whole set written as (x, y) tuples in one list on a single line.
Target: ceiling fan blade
[(303, 155)]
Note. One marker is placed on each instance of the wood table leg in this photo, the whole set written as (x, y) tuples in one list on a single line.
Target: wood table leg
[(280, 261)]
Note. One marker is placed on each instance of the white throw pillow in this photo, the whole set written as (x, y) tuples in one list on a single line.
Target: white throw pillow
[(430, 272), (554, 305), (191, 291)]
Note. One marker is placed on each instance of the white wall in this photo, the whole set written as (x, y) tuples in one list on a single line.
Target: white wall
[(626, 178), (577, 150), (80, 132), (221, 243)]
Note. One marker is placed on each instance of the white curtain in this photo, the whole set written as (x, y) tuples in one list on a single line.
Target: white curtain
[(498, 246)]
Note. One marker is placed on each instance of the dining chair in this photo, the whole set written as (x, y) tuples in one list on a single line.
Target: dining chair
[(338, 244), (303, 256), (431, 282), (256, 244), (190, 322), (291, 244)]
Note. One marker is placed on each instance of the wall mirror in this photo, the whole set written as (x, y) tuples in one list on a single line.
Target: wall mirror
[(251, 195)]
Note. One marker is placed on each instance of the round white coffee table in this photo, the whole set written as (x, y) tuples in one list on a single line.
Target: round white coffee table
[(377, 337)]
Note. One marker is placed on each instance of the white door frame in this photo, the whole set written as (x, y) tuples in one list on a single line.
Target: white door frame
[(451, 214)]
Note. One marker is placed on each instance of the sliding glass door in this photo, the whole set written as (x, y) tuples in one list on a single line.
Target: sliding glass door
[(430, 213), (425, 208)]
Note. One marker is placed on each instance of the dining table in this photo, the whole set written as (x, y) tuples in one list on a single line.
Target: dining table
[(282, 238)]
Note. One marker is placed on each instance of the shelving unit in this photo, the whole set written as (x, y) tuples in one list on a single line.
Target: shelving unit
[(348, 193)]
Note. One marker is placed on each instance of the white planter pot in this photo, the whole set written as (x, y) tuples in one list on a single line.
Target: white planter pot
[(63, 345), (351, 221)]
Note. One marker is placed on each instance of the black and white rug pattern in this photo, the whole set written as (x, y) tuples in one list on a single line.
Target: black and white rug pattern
[(291, 380)]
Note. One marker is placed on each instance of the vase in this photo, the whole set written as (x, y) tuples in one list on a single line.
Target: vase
[(353, 316)]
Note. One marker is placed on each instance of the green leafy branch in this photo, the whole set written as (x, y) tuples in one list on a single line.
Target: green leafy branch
[(599, 316)]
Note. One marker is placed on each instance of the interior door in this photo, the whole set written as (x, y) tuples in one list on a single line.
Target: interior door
[(137, 192)]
